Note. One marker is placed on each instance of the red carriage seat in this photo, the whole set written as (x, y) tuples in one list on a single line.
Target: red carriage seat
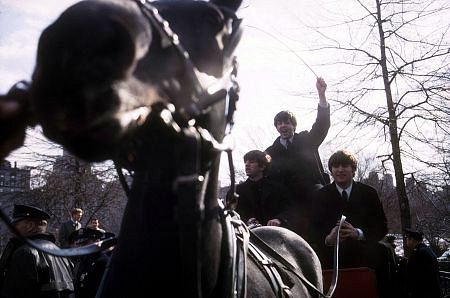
[(353, 283)]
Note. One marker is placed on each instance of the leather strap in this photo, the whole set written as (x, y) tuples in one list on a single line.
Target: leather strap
[(271, 271)]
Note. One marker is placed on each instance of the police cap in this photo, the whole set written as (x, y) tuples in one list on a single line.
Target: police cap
[(21, 212)]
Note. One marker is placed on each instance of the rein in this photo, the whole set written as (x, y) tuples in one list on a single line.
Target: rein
[(60, 252), (296, 271)]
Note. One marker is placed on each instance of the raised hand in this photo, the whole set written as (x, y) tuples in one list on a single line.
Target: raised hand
[(321, 88)]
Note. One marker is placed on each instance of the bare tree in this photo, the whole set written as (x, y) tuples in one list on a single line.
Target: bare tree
[(399, 51), (74, 183), (62, 182)]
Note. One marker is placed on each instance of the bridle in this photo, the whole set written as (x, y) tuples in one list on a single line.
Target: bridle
[(225, 87)]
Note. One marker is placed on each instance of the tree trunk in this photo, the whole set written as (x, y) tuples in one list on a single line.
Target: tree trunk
[(393, 132)]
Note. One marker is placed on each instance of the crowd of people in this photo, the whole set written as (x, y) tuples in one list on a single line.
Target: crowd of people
[(287, 186)]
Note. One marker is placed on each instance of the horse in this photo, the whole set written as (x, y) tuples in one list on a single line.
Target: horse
[(152, 86)]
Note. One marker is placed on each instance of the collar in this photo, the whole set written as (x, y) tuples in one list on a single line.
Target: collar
[(348, 189), (255, 181), (284, 141)]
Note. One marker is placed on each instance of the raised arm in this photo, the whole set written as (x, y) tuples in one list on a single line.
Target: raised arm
[(321, 88)]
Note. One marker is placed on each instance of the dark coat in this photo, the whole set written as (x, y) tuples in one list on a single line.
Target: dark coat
[(299, 167), (422, 273), (363, 210), (65, 230), (89, 273), (32, 273), (263, 200)]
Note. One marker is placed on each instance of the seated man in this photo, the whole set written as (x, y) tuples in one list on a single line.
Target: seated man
[(261, 201), (94, 224), (365, 222)]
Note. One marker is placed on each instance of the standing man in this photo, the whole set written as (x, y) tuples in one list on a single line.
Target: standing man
[(365, 222), (422, 268), (261, 201), (28, 272), (295, 158), (69, 227)]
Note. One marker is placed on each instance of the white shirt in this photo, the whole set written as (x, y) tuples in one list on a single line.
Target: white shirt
[(349, 191)]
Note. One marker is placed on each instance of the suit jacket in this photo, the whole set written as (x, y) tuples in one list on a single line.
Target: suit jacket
[(65, 230), (363, 210), (263, 200), (299, 167)]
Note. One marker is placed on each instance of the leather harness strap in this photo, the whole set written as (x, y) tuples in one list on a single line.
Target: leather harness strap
[(284, 263), (269, 268), (241, 239)]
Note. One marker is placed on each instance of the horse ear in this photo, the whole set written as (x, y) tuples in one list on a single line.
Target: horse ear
[(231, 4)]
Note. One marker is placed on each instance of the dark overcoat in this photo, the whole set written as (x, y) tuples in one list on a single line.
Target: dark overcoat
[(33, 273), (65, 230), (363, 210), (422, 273), (263, 200), (299, 167)]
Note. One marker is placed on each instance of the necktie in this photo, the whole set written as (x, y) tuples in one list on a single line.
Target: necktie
[(344, 195), (288, 144)]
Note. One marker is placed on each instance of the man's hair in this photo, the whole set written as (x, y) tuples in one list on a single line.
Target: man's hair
[(76, 210), (262, 158), (344, 158), (285, 116)]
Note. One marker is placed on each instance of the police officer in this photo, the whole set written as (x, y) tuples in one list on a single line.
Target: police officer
[(28, 272), (422, 268)]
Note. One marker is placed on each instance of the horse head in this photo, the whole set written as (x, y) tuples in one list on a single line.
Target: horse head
[(147, 84)]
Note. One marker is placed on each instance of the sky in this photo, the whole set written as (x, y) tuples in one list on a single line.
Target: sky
[(268, 75), (277, 69)]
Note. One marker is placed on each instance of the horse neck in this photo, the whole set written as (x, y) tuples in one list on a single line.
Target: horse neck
[(158, 224)]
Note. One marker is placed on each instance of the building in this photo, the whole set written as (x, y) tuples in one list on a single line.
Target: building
[(13, 179)]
